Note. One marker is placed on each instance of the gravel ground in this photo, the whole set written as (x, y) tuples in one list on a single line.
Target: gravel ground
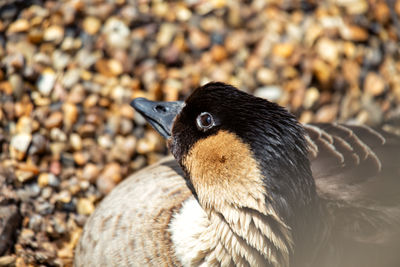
[(68, 70)]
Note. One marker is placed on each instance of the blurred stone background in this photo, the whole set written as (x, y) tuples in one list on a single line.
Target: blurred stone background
[(69, 68)]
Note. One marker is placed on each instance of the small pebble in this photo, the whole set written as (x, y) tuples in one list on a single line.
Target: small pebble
[(46, 193), (354, 33), (54, 34), (29, 191), (7, 260), (77, 94), (117, 33), (109, 68), (312, 95), (44, 207), (70, 114), (81, 158), (283, 50), (17, 85), (54, 120), (327, 113), (64, 196), (266, 76), (46, 82), (105, 141), (23, 176), (90, 172), (71, 77), (323, 72), (109, 178), (46, 179), (218, 53), (85, 206), (60, 62), (75, 141), (166, 33), (57, 135), (328, 50), (374, 84), (199, 39), (91, 25), (21, 25), (19, 145), (271, 93), (25, 125), (55, 167)]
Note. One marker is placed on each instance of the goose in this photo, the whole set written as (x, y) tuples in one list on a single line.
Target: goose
[(248, 185)]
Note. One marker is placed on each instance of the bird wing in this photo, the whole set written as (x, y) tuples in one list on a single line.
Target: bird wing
[(345, 158), (357, 173)]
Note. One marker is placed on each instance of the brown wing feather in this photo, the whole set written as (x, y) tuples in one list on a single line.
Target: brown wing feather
[(361, 191), (354, 162)]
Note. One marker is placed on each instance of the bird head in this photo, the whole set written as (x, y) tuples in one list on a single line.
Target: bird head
[(235, 147)]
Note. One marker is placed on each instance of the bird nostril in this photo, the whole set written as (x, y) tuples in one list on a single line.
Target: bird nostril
[(160, 108)]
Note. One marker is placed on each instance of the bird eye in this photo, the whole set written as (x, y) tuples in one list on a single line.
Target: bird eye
[(205, 121)]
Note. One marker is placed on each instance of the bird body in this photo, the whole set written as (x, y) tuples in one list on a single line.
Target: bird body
[(250, 186)]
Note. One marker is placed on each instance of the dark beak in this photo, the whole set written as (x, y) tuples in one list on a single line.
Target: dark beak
[(160, 115)]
